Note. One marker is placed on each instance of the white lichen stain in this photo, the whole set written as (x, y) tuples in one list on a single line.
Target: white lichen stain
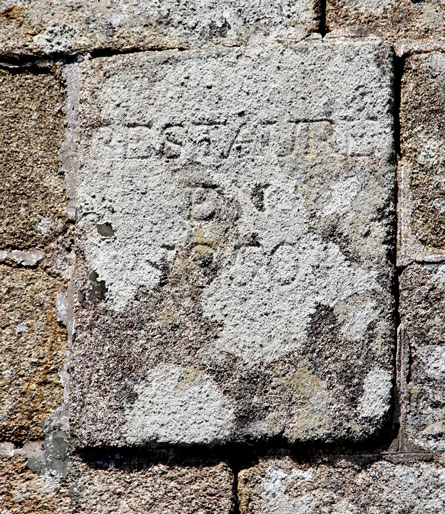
[(439, 276), (265, 295), (342, 195), (266, 301), (357, 321), (433, 357), (276, 492), (376, 397), (144, 228), (178, 405), (44, 225)]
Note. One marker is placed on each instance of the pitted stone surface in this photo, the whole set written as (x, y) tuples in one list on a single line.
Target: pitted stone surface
[(282, 486), (70, 26), (115, 485), (422, 303), (138, 486), (25, 492), (234, 232), (393, 19), (31, 345), (32, 196), (423, 151), (195, 408)]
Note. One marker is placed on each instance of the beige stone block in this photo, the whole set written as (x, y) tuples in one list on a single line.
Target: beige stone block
[(392, 19), (119, 486), (422, 167), (31, 345), (32, 194)]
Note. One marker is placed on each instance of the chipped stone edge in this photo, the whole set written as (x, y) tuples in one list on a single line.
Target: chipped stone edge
[(351, 33), (68, 153), (69, 156), (55, 458), (402, 47), (407, 47), (22, 257)]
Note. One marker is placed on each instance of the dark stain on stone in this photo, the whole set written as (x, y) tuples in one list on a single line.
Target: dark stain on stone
[(163, 326), (56, 457), (126, 395), (330, 353), (216, 31), (166, 326), (97, 287), (257, 196), (249, 398), (334, 233)]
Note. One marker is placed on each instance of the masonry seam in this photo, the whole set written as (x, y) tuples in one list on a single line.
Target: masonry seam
[(322, 27)]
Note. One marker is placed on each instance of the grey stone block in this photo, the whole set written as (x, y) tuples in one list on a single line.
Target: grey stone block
[(235, 214), (281, 485), (70, 26), (422, 303)]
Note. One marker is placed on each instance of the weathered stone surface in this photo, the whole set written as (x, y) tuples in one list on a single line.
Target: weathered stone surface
[(31, 345), (282, 486), (423, 157), (54, 26), (24, 492), (422, 304), (121, 486), (406, 47), (32, 197), (144, 487), (234, 230), (393, 19)]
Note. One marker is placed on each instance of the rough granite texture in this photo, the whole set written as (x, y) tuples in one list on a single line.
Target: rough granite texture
[(23, 491), (69, 26), (32, 196), (231, 268), (31, 346), (392, 19), (235, 213), (122, 486), (422, 124), (422, 304), (280, 486)]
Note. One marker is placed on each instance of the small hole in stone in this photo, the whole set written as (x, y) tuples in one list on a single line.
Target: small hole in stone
[(105, 230)]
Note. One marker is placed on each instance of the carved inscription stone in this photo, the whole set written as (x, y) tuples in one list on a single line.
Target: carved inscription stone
[(234, 240)]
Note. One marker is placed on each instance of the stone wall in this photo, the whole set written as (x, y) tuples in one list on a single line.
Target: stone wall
[(222, 256)]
